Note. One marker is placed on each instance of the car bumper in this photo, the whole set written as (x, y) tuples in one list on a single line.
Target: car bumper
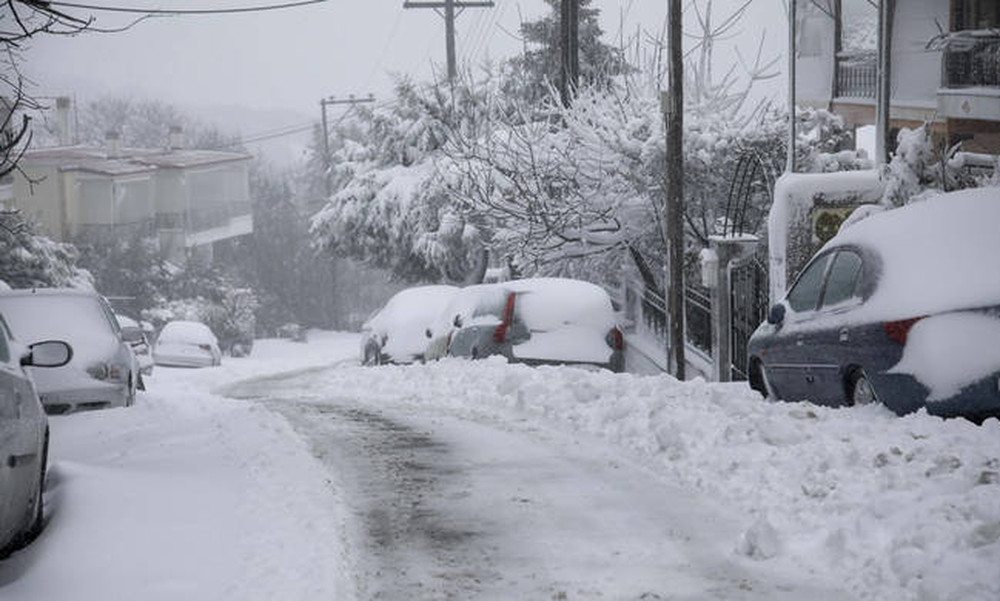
[(179, 360)]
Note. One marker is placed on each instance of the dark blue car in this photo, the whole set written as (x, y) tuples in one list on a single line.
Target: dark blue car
[(901, 308)]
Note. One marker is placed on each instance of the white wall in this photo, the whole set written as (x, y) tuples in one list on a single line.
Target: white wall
[(916, 71)]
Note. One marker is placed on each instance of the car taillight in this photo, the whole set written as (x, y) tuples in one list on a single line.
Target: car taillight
[(898, 331), (205, 347), (500, 334), (615, 339)]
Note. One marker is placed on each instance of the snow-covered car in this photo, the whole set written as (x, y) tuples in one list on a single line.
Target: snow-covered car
[(468, 306), (24, 436), (900, 308), (397, 332), (186, 344), (103, 371), (143, 353), (541, 321)]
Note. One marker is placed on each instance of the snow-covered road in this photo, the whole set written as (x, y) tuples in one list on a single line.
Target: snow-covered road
[(449, 506), (481, 480)]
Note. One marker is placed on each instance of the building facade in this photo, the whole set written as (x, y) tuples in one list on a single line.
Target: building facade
[(945, 65), (188, 199)]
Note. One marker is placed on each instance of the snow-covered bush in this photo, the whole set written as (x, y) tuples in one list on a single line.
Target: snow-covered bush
[(29, 260)]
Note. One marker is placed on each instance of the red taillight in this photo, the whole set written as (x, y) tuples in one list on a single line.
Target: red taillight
[(500, 334), (616, 339), (898, 331)]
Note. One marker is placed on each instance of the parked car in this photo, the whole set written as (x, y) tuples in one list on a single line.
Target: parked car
[(103, 371), (468, 306), (140, 346), (396, 333), (539, 321), (24, 436), (901, 308), (186, 344)]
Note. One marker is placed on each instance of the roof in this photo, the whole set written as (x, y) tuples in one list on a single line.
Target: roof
[(128, 161)]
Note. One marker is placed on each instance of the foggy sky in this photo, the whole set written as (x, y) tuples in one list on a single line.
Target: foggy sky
[(289, 59)]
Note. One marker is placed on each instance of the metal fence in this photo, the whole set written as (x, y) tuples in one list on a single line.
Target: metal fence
[(748, 279), (975, 62), (698, 317)]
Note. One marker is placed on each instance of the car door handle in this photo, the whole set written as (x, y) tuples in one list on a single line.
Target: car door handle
[(844, 335)]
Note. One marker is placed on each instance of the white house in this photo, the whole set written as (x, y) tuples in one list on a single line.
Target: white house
[(187, 198), (945, 65)]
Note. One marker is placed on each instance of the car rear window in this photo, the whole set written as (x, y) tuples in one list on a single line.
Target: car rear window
[(74, 319)]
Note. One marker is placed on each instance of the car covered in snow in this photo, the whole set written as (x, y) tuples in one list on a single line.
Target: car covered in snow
[(24, 436), (900, 308), (103, 371), (140, 346), (186, 344), (538, 321), (396, 333)]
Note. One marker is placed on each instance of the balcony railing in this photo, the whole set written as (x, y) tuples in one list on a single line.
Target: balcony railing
[(198, 220), (972, 61), (857, 75)]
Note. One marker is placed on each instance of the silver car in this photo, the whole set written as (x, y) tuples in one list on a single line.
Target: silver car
[(24, 437), (103, 371)]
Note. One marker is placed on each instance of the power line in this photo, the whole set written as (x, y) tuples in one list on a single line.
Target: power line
[(185, 11)]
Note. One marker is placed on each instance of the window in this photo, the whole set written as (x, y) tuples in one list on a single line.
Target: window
[(804, 296), (842, 283)]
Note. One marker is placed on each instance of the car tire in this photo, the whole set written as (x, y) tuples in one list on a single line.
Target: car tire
[(130, 393), (38, 511), (860, 389)]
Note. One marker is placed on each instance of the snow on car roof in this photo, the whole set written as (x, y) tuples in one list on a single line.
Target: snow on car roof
[(549, 303), (186, 331), (418, 305), (937, 255)]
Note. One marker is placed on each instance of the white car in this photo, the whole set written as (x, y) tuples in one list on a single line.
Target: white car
[(397, 332), (103, 371), (186, 344)]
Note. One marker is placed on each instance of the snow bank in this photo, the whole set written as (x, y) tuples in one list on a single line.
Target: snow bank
[(897, 508)]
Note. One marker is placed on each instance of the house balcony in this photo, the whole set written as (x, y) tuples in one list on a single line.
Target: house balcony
[(857, 75), (210, 224), (971, 76)]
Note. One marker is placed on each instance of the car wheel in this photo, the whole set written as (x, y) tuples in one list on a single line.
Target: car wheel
[(130, 394), (38, 511), (860, 389)]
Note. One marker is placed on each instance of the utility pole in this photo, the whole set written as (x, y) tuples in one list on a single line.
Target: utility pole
[(451, 9), (327, 158), (886, 8), (673, 109), (792, 25), (569, 36)]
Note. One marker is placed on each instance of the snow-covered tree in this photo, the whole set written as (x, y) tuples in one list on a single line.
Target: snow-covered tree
[(29, 260)]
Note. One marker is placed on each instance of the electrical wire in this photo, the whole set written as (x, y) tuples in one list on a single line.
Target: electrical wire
[(184, 11)]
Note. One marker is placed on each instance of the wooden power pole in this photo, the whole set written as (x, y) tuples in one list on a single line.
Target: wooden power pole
[(449, 9), (569, 38), (673, 109), (327, 158), (883, 95)]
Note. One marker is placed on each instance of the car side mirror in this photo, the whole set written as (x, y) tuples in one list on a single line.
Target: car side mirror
[(776, 315), (428, 333), (457, 321), (132, 335), (51, 353)]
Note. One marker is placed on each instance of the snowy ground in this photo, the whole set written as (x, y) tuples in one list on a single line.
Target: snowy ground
[(193, 494)]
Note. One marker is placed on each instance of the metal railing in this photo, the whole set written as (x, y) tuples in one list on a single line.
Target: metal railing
[(698, 317), (857, 75), (974, 62)]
